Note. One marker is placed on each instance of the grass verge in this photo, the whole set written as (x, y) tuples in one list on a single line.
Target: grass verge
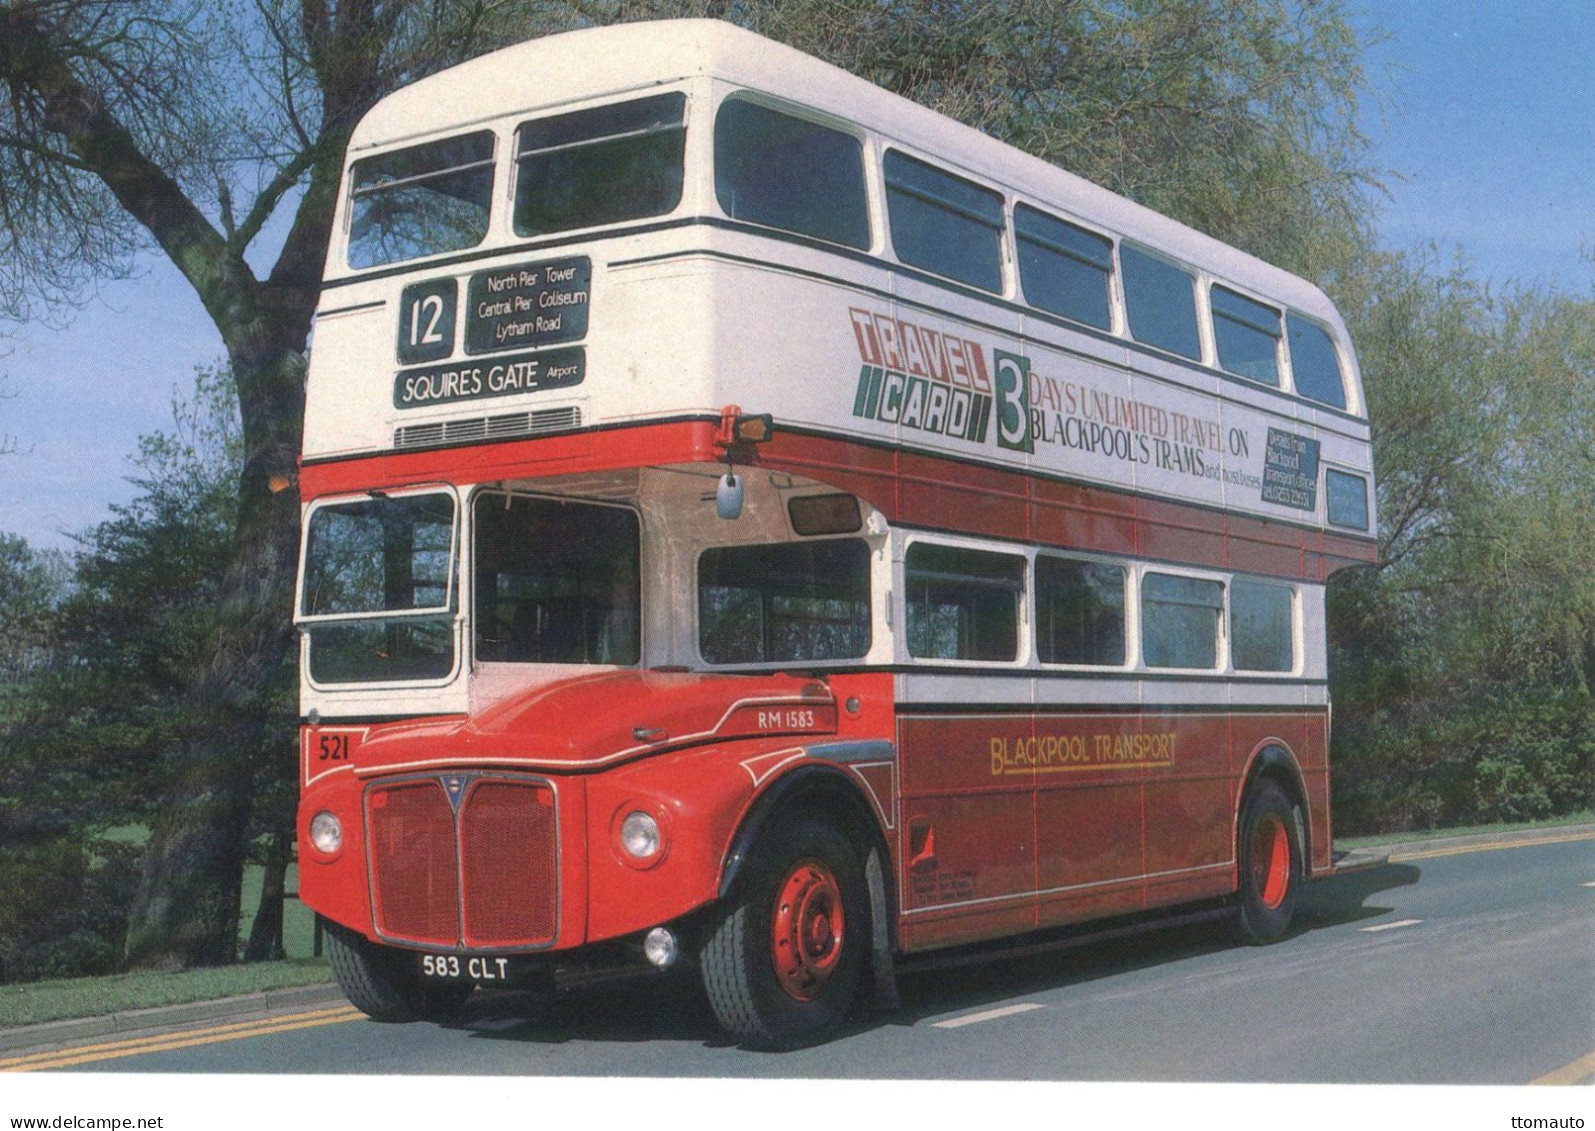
[(1587, 817), (33, 1002)]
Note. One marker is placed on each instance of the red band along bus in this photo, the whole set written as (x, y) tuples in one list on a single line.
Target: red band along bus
[(751, 519)]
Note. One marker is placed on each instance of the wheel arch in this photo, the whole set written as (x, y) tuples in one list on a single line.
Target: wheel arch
[(828, 792), (824, 789), (1274, 761)]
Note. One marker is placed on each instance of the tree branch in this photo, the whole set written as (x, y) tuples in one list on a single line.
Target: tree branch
[(103, 146), (268, 199)]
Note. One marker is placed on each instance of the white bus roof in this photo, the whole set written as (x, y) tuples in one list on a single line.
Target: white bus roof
[(579, 65)]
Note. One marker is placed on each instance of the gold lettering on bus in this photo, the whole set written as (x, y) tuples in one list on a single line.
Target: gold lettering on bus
[(1058, 753)]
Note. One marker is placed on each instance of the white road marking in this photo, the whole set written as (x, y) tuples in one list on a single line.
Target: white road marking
[(987, 1015), (1393, 926), (1591, 884)]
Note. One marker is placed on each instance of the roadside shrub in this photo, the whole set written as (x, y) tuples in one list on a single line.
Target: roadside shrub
[(66, 906)]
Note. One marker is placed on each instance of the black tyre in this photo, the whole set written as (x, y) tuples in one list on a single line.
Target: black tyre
[(385, 984), (1269, 844), (784, 957)]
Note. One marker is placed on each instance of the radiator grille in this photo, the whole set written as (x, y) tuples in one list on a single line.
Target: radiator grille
[(508, 841), (417, 884), (486, 876), (505, 426)]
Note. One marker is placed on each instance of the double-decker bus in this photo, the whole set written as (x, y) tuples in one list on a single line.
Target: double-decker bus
[(751, 520)]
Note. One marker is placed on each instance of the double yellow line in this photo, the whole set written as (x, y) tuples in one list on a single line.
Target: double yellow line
[(1398, 857), (165, 1042)]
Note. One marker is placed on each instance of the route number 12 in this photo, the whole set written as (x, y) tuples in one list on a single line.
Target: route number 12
[(426, 321), (425, 311)]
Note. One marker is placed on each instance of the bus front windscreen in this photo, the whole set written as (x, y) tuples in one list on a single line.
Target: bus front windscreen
[(379, 589)]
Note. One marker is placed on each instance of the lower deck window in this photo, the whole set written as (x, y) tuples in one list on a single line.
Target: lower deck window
[(379, 582), (786, 602), (1180, 621), (376, 651), (1262, 626), (1079, 612), (962, 604)]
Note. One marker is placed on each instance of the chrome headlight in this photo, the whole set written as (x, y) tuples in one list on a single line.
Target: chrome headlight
[(639, 835), (326, 833)]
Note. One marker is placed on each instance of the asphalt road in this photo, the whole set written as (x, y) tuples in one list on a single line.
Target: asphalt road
[(1474, 967)]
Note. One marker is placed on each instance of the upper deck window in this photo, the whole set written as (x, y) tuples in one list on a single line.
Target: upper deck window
[(419, 201), (1314, 364), (556, 582), (784, 172), (1160, 300), (944, 223), (600, 166), (1247, 334), (1063, 268)]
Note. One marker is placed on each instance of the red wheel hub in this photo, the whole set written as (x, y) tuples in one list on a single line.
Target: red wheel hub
[(1271, 861), (806, 929)]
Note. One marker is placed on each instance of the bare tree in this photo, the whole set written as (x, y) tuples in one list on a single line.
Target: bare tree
[(132, 122)]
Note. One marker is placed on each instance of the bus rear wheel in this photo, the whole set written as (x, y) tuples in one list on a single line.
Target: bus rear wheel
[(385, 985), (783, 959), (1270, 865)]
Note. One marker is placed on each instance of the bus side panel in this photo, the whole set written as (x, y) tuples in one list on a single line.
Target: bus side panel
[(1316, 774), (978, 499), (967, 844), (1189, 805), (1171, 532), (1089, 810), (1082, 518)]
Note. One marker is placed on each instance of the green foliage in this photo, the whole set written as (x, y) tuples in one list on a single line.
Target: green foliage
[(66, 907), (34, 583), (103, 668), (1462, 668)]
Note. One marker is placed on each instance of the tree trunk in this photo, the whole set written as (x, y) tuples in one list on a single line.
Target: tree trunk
[(185, 910), (265, 934)]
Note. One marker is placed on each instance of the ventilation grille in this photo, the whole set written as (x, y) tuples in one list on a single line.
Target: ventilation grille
[(510, 424)]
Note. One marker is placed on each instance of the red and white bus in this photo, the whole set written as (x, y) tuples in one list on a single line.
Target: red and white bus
[(755, 521)]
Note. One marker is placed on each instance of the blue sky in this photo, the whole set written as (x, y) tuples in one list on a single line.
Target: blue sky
[(1483, 115)]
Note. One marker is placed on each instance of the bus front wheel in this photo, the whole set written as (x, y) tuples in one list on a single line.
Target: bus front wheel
[(384, 984), (784, 957), (1270, 865)]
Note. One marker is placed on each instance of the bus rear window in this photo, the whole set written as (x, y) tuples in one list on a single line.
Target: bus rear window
[(786, 602), (773, 169), (424, 200), (1314, 364), (600, 166)]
